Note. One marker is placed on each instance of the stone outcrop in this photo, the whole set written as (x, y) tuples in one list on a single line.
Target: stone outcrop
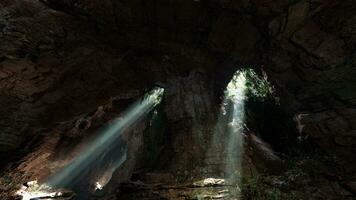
[(62, 58), (311, 63)]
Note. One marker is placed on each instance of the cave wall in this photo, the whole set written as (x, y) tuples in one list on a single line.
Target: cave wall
[(190, 114), (61, 58), (53, 69), (310, 59)]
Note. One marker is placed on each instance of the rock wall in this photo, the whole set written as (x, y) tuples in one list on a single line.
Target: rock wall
[(190, 114), (52, 69), (310, 61), (61, 58)]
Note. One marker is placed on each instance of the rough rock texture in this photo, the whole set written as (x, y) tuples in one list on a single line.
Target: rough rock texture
[(61, 145), (62, 58), (310, 60), (189, 108)]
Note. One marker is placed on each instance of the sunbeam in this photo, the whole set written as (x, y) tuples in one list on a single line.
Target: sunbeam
[(225, 154), (107, 140), (106, 147)]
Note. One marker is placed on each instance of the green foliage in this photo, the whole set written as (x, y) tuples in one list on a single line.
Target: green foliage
[(247, 84), (263, 114), (257, 87)]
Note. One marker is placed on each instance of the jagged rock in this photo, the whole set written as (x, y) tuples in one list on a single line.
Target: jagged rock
[(351, 185), (209, 182), (320, 45), (62, 59), (55, 26), (263, 157)]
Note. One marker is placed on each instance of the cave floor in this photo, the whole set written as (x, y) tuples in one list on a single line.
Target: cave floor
[(178, 192)]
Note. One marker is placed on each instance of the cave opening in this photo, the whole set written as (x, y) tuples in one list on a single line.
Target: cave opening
[(95, 162), (229, 129), (259, 98), (246, 137)]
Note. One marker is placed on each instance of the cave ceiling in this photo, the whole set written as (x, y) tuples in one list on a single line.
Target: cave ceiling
[(59, 58)]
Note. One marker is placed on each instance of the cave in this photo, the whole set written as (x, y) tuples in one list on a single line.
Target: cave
[(177, 99)]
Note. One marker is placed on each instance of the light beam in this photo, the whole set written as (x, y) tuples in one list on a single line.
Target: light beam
[(225, 155), (98, 149)]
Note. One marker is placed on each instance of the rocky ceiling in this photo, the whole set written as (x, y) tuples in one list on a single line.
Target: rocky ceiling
[(61, 58)]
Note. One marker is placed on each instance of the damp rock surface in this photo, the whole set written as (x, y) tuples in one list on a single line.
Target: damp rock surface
[(61, 60), (46, 45)]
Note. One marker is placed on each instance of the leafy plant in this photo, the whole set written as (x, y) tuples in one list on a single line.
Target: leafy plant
[(247, 84)]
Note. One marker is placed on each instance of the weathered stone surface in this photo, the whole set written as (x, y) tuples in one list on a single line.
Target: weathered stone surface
[(351, 185), (189, 108), (263, 156), (319, 77), (325, 48), (60, 59)]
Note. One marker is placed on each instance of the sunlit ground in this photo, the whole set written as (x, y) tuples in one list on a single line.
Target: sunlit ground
[(34, 190)]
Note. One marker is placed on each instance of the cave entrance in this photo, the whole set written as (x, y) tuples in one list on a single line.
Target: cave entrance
[(96, 161), (226, 145), (225, 157)]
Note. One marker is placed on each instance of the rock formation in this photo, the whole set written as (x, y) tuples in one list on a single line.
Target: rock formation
[(60, 60)]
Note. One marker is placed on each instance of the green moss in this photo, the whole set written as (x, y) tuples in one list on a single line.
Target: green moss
[(255, 86), (264, 116)]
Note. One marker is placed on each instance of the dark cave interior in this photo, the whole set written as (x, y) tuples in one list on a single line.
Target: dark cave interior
[(178, 99)]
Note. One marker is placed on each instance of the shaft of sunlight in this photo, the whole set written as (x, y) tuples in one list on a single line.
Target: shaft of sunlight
[(105, 142), (235, 95), (225, 155)]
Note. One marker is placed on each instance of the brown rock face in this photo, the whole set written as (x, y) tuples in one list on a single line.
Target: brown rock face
[(314, 70), (62, 58)]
